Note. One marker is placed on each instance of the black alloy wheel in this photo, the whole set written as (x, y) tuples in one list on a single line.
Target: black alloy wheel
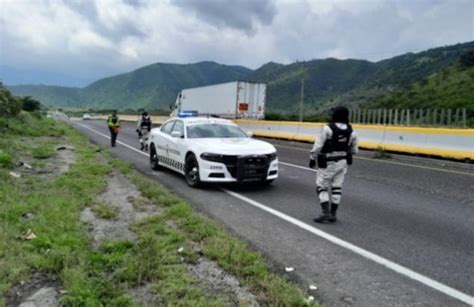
[(191, 171), (154, 162)]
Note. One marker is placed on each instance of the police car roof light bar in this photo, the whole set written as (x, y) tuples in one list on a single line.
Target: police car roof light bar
[(188, 114)]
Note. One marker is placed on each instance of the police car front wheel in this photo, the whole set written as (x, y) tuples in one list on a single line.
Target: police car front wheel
[(154, 162), (191, 171)]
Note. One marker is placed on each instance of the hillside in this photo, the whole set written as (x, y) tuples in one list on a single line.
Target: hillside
[(154, 86), (327, 82), (452, 87)]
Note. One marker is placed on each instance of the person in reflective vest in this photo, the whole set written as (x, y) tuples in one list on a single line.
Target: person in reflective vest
[(114, 126), (143, 130), (333, 152)]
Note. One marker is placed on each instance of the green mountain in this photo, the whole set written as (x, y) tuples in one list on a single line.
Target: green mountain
[(153, 86), (327, 82), (350, 82), (452, 87)]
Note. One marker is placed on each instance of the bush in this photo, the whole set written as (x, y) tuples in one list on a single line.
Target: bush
[(6, 159), (30, 105), (10, 105)]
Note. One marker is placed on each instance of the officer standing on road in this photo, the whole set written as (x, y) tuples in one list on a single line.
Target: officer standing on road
[(143, 130), (333, 151), (114, 125)]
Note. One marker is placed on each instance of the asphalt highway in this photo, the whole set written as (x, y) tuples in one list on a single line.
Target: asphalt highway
[(405, 234)]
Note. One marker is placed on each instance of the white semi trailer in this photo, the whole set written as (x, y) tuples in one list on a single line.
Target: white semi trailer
[(238, 99)]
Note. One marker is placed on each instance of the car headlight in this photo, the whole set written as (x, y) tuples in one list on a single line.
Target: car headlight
[(272, 156), (212, 157)]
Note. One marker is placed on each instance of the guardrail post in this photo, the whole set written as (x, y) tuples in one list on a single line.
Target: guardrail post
[(379, 114), (408, 117), (402, 117), (442, 117), (464, 118), (384, 117), (395, 117), (449, 117)]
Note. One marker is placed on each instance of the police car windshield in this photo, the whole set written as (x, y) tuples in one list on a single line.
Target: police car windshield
[(198, 131)]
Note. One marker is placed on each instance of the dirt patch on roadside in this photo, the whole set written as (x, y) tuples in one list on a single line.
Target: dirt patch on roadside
[(217, 281), (40, 290), (53, 166), (119, 194), (144, 296)]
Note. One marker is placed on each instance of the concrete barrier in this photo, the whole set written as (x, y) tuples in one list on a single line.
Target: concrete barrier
[(441, 142)]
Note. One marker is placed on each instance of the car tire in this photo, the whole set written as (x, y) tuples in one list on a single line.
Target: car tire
[(154, 162), (191, 171)]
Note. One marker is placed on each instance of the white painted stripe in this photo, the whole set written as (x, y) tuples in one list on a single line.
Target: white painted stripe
[(360, 251), (297, 166), (108, 137)]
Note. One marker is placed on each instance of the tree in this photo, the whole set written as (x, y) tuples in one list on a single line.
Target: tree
[(467, 58), (30, 105)]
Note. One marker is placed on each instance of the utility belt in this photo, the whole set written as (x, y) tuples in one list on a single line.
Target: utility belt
[(323, 159)]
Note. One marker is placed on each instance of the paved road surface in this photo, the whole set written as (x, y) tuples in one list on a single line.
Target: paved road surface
[(416, 213)]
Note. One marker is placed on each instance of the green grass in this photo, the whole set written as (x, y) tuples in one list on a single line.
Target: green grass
[(43, 151), (380, 153), (104, 276), (105, 211), (6, 159)]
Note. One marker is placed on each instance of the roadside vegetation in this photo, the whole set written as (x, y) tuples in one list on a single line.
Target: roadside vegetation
[(41, 231)]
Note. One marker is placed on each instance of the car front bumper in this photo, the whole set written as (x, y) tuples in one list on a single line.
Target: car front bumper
[(238, 172)]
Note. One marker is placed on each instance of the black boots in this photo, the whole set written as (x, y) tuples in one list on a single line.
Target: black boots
[(326, 215), (142, 147), (333, 217)]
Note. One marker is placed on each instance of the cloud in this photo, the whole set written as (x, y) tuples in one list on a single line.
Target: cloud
[(94, 39), (242, 15)]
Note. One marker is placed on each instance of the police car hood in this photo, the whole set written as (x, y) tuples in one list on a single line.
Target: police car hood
[(233, 146)]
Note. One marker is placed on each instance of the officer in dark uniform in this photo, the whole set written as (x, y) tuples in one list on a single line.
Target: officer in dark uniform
[(143, 130), (333, 151)]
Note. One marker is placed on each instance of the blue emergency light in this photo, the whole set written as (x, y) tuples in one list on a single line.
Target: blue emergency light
[(188, 114)]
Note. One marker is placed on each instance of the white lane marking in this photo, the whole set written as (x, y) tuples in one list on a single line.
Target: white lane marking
[(384, 161), (297, 166), (108, 137), (360, 251)]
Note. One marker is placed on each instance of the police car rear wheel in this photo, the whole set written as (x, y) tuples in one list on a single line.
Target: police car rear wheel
[(154, 162), (191, 172)]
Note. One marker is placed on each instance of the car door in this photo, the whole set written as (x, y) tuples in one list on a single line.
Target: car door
[(163, 141), (176, 149)]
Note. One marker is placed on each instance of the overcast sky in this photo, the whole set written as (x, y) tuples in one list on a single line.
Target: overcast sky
[(81, 40)]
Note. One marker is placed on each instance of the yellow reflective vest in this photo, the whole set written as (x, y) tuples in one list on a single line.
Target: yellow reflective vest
[(113, 121)]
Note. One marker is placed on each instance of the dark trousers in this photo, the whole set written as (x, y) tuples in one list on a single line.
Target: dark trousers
[(113, 136)]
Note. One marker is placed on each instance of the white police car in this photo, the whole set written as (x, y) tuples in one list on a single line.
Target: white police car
[(211, 150)]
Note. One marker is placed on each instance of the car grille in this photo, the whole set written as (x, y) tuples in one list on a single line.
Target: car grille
[(251, 167)]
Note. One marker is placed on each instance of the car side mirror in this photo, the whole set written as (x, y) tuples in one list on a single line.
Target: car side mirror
[(176, 134), (250, 134)]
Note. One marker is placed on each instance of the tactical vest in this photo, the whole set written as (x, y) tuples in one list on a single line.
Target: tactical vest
[(146, 123), (339, 141)]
